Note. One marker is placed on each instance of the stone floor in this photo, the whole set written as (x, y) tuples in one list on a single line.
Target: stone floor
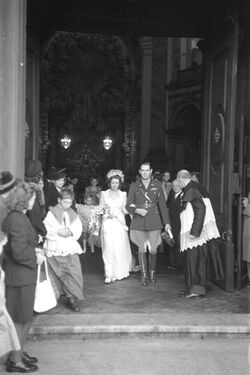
[(127, 306)]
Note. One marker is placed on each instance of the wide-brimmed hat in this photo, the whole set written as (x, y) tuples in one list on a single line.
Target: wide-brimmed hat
[(7, 182), (33, 168), (57, 174)]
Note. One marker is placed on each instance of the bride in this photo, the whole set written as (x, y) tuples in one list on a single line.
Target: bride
[(116, 251)]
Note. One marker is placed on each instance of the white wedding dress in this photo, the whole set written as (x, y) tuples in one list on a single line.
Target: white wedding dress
[(116, 250)]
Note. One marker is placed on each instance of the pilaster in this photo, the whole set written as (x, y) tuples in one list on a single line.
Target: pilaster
[(12, 87), (146, 44)]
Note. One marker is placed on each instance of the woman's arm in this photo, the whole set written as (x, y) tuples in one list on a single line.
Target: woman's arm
[(22, 250)]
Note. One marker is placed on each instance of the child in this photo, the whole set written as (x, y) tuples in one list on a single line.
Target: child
[(64, 227), (85, 211), (8, 336)]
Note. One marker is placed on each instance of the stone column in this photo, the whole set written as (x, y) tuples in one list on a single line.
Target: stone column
[(12, 85), (146, 44)]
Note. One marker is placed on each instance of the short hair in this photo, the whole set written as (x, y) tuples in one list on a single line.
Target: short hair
[(183, 173), (88, 196), (67, 193), (18, 199), (145, 163)]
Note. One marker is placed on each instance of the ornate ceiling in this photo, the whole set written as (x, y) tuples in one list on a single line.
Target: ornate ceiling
[(126, 17)]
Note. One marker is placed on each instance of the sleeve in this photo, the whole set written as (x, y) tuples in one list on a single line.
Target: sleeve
[(102, 199), (199, 209), (124, 202), (163, 207), (35, 216), (131, 206), (76, 228), (52, 226), (246, 211), (22, 251)]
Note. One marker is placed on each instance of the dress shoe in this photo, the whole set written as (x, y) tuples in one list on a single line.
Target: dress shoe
[(184, 293), (73, 305), (107, 280), (194, 295), (20, 367), (26, 358)]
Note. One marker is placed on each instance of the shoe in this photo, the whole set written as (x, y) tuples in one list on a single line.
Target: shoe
[(107, 280), (152, 277), (184, 293), (136, 268), (194, 295), (144, 279), (27, 359), (20, 367), (73, 305)]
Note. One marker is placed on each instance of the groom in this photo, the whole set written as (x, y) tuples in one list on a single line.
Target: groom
[(146, 204)]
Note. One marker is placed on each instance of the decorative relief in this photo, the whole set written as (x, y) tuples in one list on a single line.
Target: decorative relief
[(218, 141)]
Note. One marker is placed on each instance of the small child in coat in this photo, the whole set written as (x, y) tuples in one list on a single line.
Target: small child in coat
[(85, 211)]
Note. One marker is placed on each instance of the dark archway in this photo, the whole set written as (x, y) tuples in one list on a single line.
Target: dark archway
[(185, 138)]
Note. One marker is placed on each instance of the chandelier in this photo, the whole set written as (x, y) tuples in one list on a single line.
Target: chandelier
[(65, 141)]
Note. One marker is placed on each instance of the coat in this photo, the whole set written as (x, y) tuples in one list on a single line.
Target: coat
[(151, 199), (174, 207), (20, 255)]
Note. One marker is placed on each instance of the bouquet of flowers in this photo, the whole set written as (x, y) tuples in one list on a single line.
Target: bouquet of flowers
[(95, 221)]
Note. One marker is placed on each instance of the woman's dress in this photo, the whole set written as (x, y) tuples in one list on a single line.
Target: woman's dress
[(116, 250)]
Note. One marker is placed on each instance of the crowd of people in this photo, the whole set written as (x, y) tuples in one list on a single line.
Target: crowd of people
[(42, 219)]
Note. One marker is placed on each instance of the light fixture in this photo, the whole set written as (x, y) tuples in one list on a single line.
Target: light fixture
[(65, 141), (107, 143)]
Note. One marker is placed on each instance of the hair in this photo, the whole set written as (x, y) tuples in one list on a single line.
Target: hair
[(18, 199), (116, 176), (145, 163), (93, 178), (34, 179), (88, 196), (67, 192), (183, 173)]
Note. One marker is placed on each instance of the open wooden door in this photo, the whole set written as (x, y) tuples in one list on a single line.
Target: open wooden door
[(220, 82)]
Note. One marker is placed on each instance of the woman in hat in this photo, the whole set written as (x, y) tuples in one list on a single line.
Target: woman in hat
[(7, 184), (57, 179), (21, 258)]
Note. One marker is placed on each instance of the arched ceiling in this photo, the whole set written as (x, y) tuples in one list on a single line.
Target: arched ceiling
[(126, 17)]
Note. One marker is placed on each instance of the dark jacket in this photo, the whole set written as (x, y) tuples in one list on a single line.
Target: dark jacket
[(20, 256), (151, 199), (36, 218), (194, 194), (51, 195), (174, 208)]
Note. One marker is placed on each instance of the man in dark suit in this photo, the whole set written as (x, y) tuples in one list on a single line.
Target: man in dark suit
[(146, 204)]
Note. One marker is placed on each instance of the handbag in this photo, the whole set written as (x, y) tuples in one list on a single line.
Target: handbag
[(44, 294)]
